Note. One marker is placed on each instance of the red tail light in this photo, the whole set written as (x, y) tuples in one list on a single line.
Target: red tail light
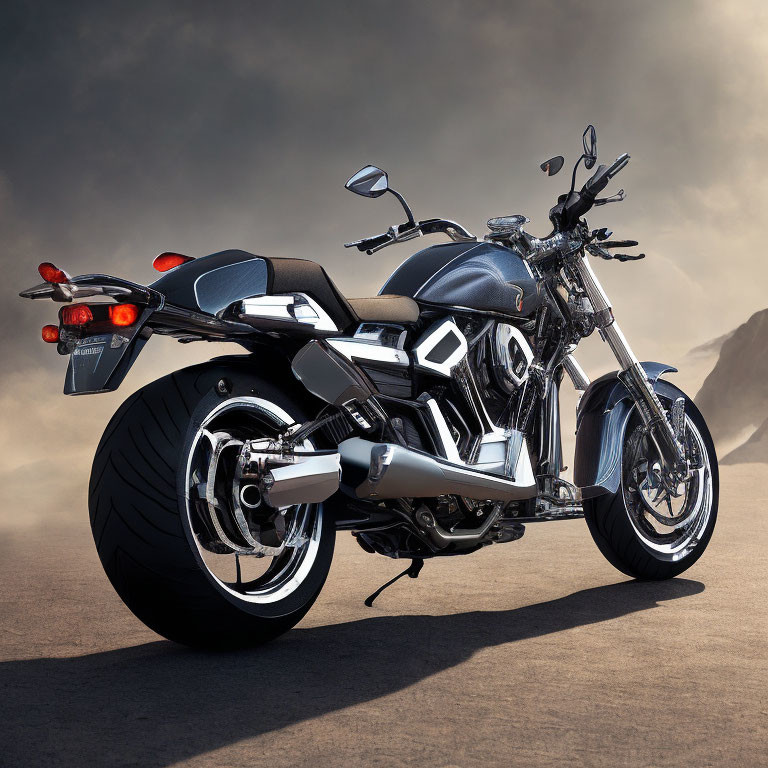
[(51, 333), (167, 260), (123, 314), (52, 274), (76, 314)]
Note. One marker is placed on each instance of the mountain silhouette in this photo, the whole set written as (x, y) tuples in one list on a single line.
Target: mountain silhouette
[(754, 450), (734, 396)]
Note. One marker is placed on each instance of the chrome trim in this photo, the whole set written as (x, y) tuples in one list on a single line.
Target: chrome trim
[(413, 474), (431, 339), (304, 480), (576, 373), (359, 349), (298, 551), (289, 307), (450, 450), (502, 359)]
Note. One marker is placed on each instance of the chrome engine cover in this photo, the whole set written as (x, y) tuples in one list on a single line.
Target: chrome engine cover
[(511, 357)]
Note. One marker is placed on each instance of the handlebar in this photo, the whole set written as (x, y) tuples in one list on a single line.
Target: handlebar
[(578, 203), (402, 232)]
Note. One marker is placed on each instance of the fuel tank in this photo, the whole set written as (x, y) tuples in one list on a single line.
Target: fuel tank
[(481, 276)]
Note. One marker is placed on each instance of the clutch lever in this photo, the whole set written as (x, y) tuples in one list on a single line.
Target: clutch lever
[(617, 198), (599, 250)]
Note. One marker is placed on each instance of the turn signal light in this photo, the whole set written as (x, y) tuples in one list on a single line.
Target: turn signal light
[(51, 333), (52, 274), (123, 314), (76, 314), (167, 260)]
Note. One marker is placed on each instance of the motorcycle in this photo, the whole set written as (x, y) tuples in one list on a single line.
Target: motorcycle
[(425, 420)]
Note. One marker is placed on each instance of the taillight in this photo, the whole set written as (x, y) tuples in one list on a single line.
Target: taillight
[(52, 274), (123, 314), (76, 314), (51, 333), (167, 260)]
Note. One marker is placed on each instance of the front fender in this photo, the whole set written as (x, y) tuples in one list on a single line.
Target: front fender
[(601, 421)]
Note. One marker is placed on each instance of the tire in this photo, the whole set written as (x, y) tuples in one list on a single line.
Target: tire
[(145, 532), (623, 542)]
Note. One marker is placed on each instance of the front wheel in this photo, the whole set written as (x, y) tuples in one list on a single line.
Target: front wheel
[(647, 529), (194, 552)]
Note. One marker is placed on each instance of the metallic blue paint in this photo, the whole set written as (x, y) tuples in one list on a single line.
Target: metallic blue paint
[(601, 421)]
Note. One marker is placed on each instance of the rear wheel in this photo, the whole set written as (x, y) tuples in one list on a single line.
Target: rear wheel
[(649, 529), (190, 546)]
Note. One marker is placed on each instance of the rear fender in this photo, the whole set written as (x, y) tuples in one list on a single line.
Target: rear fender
[(601, 421)]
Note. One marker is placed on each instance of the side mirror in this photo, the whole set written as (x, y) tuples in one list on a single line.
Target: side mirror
[(368, 182), (589, 141), (553, 165)]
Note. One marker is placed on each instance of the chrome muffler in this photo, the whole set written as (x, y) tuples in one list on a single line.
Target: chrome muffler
[(286, 479), (388, 471)]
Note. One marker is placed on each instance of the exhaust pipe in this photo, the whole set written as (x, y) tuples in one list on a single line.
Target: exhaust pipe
[(306, 480), (389, 471)]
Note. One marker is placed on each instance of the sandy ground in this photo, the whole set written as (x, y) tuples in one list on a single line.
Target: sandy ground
[(535, 653)]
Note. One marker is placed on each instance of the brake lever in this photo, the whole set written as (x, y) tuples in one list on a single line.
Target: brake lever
[(599, 250), (617, 198), (619, 243)]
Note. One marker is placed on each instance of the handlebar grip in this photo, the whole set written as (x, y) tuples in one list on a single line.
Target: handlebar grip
[(367, 243)]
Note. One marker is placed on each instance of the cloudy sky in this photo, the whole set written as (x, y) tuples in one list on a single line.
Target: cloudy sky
[(132, 128)]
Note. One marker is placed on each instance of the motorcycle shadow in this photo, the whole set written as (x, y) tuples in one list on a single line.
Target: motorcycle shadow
[(157, 704)]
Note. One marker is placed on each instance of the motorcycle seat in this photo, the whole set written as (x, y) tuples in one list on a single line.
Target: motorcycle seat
[(301, 275), (211, 283), (385, 309)]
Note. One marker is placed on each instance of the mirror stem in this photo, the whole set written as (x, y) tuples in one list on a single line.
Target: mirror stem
[(405, 205)]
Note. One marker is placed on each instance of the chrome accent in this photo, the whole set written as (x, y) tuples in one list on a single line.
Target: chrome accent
[(295, 556), (303, 480), (502, 359), (382, 334), (291, 308), (412, 474), (450, 451), (667, 521), (505, 225), (515, 440), (246, 492), (576, 373), (550, 447), (360, 349), (677, 412), (655, 419), (632, 374), (434, 335)]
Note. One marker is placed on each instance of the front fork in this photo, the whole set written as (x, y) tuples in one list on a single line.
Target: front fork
[(632, 375)]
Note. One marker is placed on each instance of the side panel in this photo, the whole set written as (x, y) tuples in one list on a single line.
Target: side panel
[(601, 421)]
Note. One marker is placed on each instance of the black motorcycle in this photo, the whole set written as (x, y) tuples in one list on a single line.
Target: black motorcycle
[(424, 420)]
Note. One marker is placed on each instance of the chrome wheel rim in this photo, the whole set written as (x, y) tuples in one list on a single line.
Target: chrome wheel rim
[(254, 552), (668, 523)]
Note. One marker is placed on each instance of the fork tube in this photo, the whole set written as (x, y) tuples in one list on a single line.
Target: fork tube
[(632, 374)]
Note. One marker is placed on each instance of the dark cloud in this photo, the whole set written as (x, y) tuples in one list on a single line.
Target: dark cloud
[(131, 128)]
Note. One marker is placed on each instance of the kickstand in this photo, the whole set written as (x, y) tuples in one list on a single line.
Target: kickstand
[(412, 570)]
